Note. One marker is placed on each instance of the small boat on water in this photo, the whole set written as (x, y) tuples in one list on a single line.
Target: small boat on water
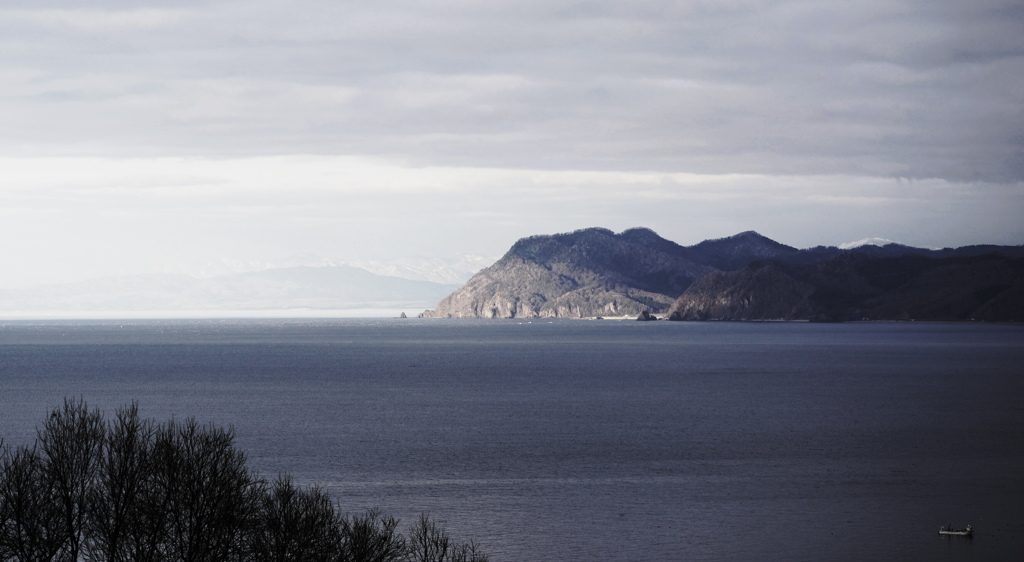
[(949, 530)]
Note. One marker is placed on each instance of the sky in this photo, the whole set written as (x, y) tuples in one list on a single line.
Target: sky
[(151, 136)]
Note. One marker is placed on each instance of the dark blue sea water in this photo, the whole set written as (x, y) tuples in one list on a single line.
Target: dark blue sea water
[(599, 440)]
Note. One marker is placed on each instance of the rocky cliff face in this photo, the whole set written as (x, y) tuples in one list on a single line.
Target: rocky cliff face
[(592, 272)]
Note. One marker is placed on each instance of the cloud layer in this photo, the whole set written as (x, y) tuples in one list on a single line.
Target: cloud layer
[(916, 89), (135, 136)]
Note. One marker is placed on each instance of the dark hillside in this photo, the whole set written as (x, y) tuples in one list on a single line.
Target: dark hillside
[(855, 286), (739, 250)]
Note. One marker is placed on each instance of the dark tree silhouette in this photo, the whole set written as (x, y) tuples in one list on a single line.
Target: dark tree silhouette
[(429, 542), (126, 523), (133, 490), (71, 442), (32, 528), (296, 524), (211, 496), (371, 537), (468, 552)]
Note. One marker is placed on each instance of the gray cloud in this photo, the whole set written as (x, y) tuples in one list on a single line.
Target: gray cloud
[(894, 89)]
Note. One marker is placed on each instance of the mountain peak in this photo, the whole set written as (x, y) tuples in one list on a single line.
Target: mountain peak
[(644, 237), (746, 235), (638, 231), (738, 250)]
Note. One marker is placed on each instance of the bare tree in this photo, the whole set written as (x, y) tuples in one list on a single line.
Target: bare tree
[(210, 495), (296, 524), (31, 527), (428, 542), (71, 442), (468, 552), (123, 523), (371, 537)]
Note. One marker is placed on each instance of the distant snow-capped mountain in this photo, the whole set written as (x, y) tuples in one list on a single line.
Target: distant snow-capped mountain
[(456, 269), (333, 287), (875, 241), (453, 270)]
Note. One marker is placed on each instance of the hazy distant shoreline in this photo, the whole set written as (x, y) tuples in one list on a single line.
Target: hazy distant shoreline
[(366, 313), (282, 313)]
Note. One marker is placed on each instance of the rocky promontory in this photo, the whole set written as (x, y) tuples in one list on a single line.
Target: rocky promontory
[(586, 273)]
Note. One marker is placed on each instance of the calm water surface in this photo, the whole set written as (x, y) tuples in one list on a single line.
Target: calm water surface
[(577, 440)]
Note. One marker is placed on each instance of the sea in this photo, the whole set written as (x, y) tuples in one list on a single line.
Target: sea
[(566, 440)]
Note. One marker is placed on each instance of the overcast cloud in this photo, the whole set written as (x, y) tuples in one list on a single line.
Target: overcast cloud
[(135, 138)]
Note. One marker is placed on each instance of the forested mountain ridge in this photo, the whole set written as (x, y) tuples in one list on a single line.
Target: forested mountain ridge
[(858, 286)]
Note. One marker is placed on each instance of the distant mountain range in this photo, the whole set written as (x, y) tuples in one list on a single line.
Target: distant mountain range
[(327, 287), (451, 270), (596, 272), (454, 269)]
